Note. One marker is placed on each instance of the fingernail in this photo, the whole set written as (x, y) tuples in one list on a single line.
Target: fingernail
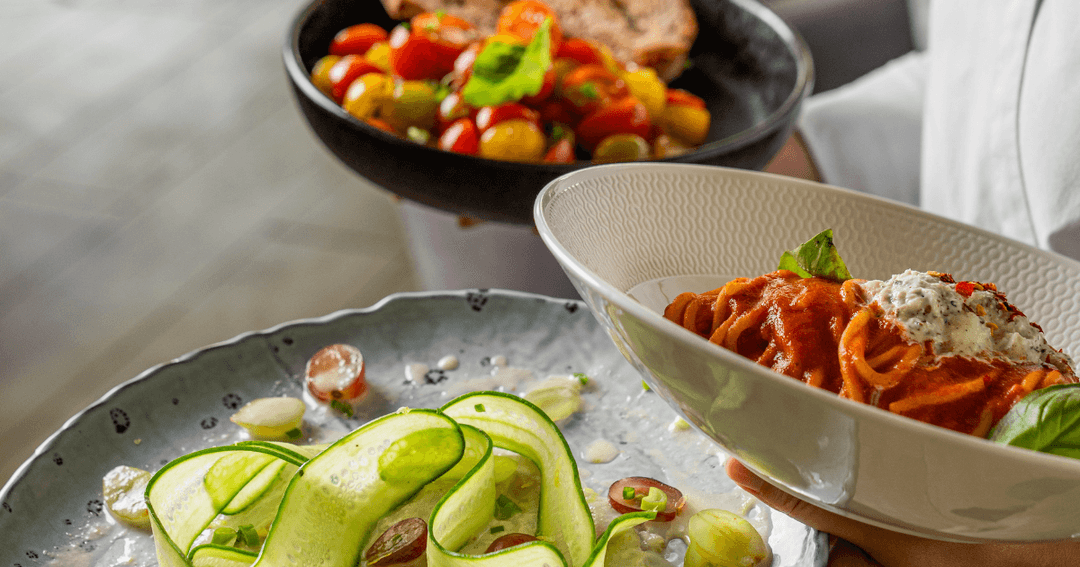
[(742, 476)]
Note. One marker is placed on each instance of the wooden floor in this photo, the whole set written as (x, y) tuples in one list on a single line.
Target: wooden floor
[(158, 193)]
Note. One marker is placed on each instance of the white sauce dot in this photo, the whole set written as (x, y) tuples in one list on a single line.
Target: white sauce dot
[(448, 362), (601, 451)]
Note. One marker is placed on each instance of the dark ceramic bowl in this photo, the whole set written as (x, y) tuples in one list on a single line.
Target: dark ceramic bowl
[(751, 68)]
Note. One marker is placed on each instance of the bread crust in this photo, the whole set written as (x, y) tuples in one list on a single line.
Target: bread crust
[(653, 33)]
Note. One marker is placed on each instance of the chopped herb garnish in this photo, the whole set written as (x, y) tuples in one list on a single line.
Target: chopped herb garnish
[(497, 529), (581, 378), (223, 536), (656, 499), (418, 135), (249, 536), (645, 386), (479, 408), (505, 508), (558, 132), (342, 407), (294, 433), (628, 493), (588, 90), (439, 14)]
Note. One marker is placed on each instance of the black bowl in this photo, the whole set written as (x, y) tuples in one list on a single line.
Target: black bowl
[(751, 68)]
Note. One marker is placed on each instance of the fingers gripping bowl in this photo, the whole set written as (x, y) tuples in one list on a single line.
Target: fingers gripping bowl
[(632, 237), (751, 69)]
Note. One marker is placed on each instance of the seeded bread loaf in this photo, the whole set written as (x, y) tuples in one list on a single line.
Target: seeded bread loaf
[(656, 33)]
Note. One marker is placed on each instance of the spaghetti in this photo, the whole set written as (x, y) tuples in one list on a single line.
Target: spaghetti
[(899, 348)]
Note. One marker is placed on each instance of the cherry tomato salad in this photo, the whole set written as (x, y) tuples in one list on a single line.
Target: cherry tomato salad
[(524, 94)]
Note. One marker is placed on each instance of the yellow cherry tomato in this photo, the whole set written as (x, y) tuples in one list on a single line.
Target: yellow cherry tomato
[(320, 73), (379, 55), (648, 88), (513, 140), (413, 103), (368, 95), (621, 147), (687, 123)]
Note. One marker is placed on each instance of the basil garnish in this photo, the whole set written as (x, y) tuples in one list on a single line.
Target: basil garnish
[(1046, 420), (816, 257)]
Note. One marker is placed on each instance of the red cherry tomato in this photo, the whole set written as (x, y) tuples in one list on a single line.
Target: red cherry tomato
[(589, 87), (428, 49), (336, 373), (558, 110), (345, 71), (561, 152), (461, 137), (523, 17), (583, 51), (451, 108), (546, 89), (679, 97), (509, 540), (357, 39), (463, 66), (489, 116), (624, 116), (641, 486)]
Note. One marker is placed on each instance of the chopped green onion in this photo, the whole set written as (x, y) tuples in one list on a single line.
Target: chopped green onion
[(628, 493), (497, 529), (342, 407), (223, 536), (418, 135), (479, 408), (294, 433), (249, 536), (581, 378), (656, 499), (505, 508)]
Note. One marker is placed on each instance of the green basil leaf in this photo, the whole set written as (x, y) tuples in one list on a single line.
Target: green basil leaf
[(1046, 420), (505, 72), (816, 257)]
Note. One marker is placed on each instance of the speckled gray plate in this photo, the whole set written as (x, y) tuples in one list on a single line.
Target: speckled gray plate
[(52, 505)]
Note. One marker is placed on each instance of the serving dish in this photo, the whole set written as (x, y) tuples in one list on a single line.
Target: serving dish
[(632, 236), (52, 505), (751, 68)]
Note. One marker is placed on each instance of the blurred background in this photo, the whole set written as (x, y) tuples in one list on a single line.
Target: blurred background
[(160, 192)]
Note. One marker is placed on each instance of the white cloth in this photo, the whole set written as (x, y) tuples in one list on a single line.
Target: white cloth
[(1000, 122)]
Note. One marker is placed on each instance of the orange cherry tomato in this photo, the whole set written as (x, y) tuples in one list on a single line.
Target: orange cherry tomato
[(523, 17), (347, 70), (336, 372), (624, 116), (489, 116), (561, 152), (382, 125), (429, 47), (583, 51), (679, 97), (357, 39), (461, 137), (590, 87)]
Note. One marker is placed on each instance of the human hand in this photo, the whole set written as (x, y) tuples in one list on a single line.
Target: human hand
[(861, 545)]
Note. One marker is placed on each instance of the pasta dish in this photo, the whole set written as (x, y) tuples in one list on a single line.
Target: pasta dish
[(953, 354)]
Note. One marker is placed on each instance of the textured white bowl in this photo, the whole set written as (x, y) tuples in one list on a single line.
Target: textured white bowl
[(631, 236)]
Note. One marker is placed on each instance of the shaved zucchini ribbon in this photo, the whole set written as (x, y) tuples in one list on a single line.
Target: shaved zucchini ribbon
[(320, 506)]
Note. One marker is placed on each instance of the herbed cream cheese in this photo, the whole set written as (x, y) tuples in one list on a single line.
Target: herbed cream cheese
[(931, 311)]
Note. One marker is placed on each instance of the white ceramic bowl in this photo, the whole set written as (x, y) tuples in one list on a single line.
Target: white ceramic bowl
[(632, 236)]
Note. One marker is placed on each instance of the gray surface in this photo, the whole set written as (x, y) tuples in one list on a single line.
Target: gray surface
[(168, 411)]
